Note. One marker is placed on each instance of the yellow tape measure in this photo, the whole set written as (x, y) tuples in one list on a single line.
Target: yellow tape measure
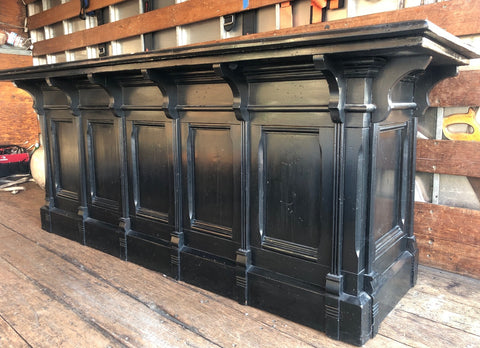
[(462, 126)]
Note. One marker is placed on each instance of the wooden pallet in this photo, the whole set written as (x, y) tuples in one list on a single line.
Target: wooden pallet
[(55, 292)]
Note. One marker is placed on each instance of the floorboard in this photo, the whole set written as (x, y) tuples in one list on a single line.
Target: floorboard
[(57, 293)]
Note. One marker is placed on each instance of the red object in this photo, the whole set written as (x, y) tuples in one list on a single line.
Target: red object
[(19, 157), (13, 160)]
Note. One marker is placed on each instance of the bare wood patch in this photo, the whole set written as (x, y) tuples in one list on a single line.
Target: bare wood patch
[(9, 337), (36, 319), (415, 331), (448, 238), (443, 284), (442, 312), (447, 223)]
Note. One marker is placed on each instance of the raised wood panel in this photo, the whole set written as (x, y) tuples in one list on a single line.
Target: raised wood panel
[(67, 176), (212, 176), (461, 90), (292, 185), (104, 172), (448, 157), (448, 237), (152, 167), (65, 11), (180, 14)]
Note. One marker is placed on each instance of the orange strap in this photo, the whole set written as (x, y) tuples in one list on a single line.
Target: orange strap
[(286, 16), (334, 4), (318, 6), (319, 3), (317, 9)]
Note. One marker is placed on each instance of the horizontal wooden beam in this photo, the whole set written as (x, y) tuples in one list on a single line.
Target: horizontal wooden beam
[(10, 61), (448, 223), (462, 90), (192, 11), (171, 16), (65, 11), (448, 157), (448, 237)]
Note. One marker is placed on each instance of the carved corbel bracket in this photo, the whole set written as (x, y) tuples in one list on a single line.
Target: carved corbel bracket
[(33, 88), (232, 74), (114, 90), (394, 71), (168, 88), (69, 89), (427, 81), (333, 72)]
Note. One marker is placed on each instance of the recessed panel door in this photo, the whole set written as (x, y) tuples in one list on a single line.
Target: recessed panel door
[(292, 201)]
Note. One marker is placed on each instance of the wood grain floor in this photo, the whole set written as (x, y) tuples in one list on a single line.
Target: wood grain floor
[(57, 293)]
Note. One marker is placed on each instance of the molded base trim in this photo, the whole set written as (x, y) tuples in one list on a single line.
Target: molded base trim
[(105, 237), (45, 218), (67, 224), (208, 272), (154, 255)]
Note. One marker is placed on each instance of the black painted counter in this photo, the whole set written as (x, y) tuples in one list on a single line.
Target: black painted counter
[(279, 172)]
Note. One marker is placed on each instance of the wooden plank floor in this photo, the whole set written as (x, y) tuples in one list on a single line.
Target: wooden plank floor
[(57, 293)]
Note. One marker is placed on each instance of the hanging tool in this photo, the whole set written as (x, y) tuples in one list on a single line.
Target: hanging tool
[(468, 123), (228, 22), (470, 131)]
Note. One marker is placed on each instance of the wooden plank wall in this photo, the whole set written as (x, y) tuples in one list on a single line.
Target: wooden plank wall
[(188, 12), (461, 90), (448, 237), (64, 11), (199, 10)]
